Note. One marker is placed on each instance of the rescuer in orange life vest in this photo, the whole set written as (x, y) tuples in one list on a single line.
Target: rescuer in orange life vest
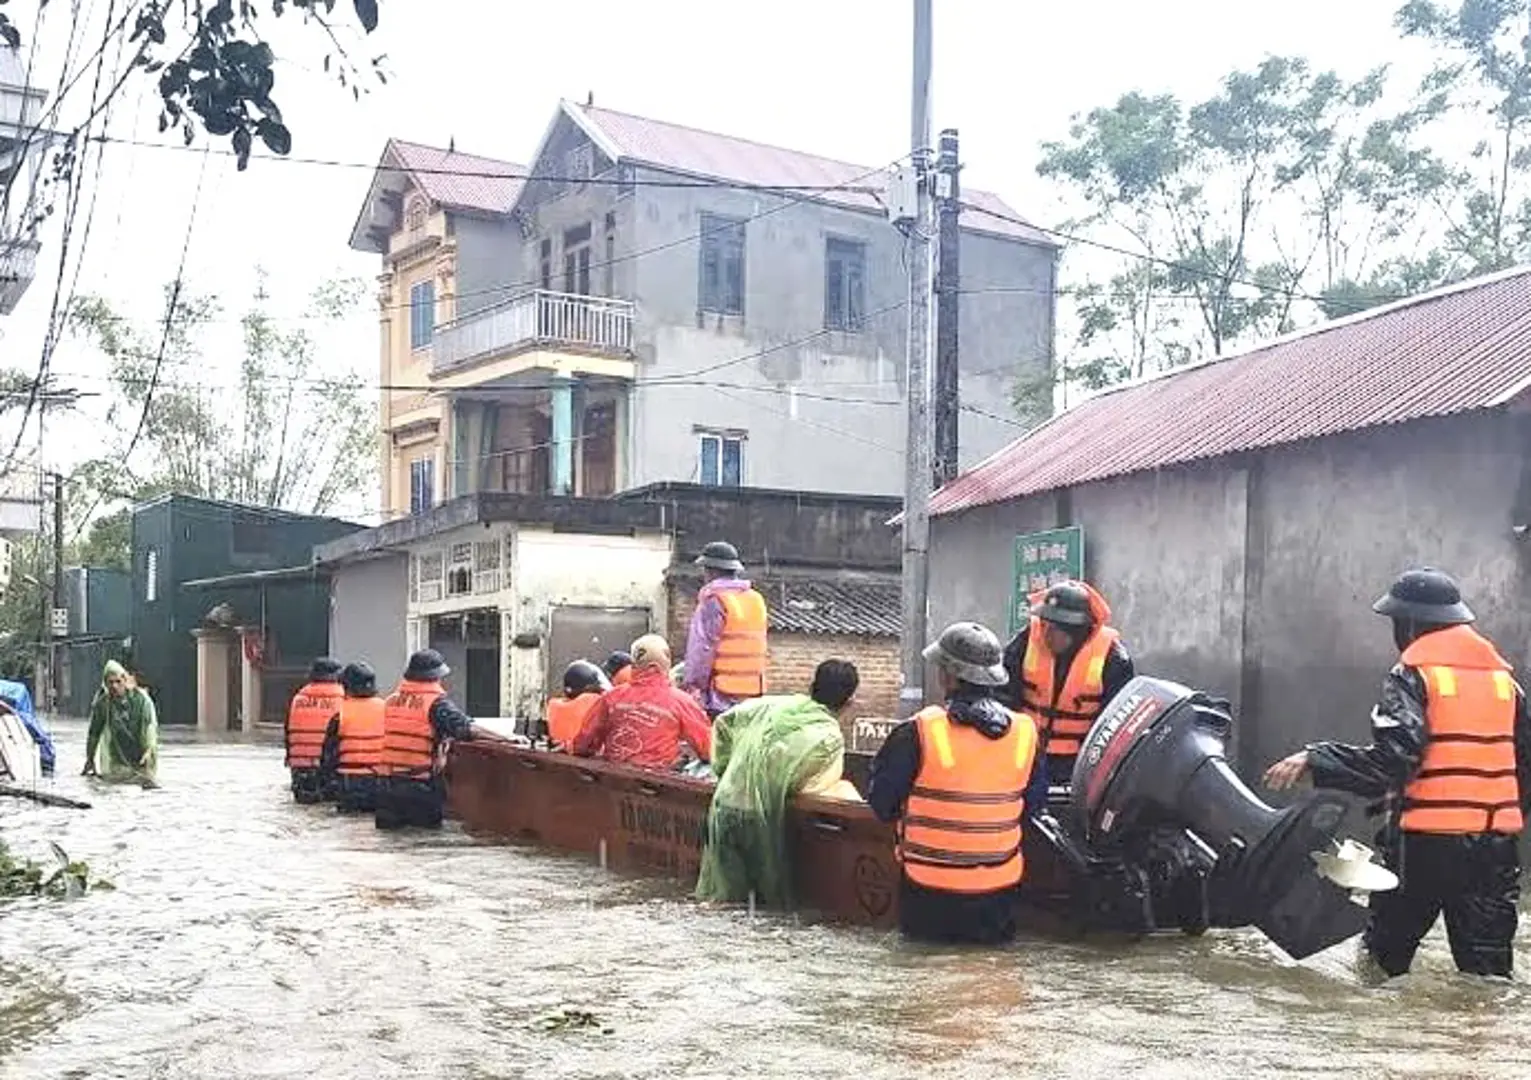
[(1451, 758), (308, 717), (353, 744), (956, 780), (418, 719), (726, 644), (1063, 667), (583, 685)]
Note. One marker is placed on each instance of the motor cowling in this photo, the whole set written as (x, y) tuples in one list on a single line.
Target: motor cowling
[(1153, 793)]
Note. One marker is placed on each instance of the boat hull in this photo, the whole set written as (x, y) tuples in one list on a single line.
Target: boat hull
[(656, 823)]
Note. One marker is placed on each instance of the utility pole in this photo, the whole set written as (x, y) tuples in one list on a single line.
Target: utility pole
[(917, 472), (55, 669), (948, 267)]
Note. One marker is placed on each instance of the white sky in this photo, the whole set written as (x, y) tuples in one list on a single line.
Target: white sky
[(828, 76)]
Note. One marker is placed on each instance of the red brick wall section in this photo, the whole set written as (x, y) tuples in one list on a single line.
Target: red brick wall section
[(794, 656)]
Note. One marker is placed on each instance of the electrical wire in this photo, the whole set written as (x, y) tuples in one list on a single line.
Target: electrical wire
[(170, 309)]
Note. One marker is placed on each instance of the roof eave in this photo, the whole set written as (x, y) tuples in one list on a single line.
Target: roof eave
[(388, 162)]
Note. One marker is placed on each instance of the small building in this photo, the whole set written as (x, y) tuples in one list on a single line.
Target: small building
[(1242, 515), (99, 602), (196, 571), (24, 143), (512, 588)]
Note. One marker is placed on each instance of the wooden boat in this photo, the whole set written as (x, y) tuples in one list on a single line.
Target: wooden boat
[(656, 823)]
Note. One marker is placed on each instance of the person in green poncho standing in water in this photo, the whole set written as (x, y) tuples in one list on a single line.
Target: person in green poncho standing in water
[(764, 752), (123, 742)]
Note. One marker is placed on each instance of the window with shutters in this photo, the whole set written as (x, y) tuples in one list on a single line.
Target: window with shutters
[(432, 575), (721, 289), (844, 284), (422, 313)]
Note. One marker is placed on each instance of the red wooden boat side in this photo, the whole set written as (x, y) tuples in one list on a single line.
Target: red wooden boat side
[(656, 823)]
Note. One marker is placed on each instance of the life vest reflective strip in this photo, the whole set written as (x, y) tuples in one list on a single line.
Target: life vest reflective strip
[(409, 739), (961, 828), (308, 717), (361, 735), (1066, 715), (1466, 783), (567, 715), (738, 667)]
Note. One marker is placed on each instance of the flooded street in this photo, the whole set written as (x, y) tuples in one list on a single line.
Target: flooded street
[(252, 938)]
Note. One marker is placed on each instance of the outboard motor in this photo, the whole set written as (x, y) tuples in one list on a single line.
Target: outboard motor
[(1154, 800)]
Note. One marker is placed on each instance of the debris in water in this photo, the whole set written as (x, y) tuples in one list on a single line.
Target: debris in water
[(66, 881), (567, 1019)]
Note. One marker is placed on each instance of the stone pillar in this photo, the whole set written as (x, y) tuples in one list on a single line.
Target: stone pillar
[(213, 647), (561, 458), (250, 697)]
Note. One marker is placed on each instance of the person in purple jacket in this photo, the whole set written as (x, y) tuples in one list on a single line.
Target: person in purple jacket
[(726, 645)]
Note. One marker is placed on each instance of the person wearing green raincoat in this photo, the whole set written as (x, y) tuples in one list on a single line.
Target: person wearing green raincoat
[(123, 741), (764, 752)]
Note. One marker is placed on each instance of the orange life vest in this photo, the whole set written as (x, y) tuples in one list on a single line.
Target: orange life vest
[(738, 667), (623, 676), (566, 715), (409, 738), (361, 735), (1065, 713), (961, 829), (1466, 780), (308, 717)]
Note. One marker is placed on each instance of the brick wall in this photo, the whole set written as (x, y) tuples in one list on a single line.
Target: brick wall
[(794, 656)]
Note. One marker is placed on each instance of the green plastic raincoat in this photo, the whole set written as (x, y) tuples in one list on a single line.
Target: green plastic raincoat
[(764, 751), (123, 742)]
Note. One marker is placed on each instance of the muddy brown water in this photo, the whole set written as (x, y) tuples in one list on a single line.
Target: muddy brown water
[(252, 938)]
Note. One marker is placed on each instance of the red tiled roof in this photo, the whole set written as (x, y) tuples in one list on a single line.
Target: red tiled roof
[(726, 157), (461, 181), (1458, 349)]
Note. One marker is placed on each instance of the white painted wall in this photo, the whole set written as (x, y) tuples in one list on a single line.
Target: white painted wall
[(551, 569)]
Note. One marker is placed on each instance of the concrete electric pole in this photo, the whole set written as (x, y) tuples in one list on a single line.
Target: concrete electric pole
[(948, 266), (917, 472), (55, 669)]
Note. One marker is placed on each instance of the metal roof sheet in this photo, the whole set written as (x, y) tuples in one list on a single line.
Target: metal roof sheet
[(1457, 349), (727, 157), (461, 181)]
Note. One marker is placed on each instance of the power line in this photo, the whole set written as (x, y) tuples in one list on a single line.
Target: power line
[(516, 174), (164, 341), (1171, 264)]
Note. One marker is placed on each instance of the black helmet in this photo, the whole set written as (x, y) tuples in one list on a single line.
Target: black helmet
[(581, 677), (720, 555), (1066, 604), (324, 669), (358, 679), (616, 662), (971, 653), (1426, 595), (426, 665)]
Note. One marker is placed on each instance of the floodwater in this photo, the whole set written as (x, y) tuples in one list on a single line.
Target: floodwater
[(252, 938)]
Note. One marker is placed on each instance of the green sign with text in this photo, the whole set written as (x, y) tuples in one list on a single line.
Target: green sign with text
[(1043, 559)]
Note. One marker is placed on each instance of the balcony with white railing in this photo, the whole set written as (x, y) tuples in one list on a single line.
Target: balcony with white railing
[(560, 322)]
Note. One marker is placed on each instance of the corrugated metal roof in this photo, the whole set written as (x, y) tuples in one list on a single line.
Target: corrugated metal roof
[(1457, 349), (851, 604), (727, 157), (461, 181)]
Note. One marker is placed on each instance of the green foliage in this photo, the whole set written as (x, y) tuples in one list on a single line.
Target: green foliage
[(23, 617), (277, 435), (1292, 195), (64, 879), (215, 71)]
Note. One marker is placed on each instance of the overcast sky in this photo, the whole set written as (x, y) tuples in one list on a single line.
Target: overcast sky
[(828, 76)]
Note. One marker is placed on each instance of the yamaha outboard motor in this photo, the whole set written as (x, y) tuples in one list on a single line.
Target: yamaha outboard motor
[(1154, 797)]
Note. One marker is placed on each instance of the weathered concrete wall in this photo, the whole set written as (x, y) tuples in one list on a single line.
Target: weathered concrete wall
[(842, 429), (554, 568), (1253, 577), (367, 608)]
